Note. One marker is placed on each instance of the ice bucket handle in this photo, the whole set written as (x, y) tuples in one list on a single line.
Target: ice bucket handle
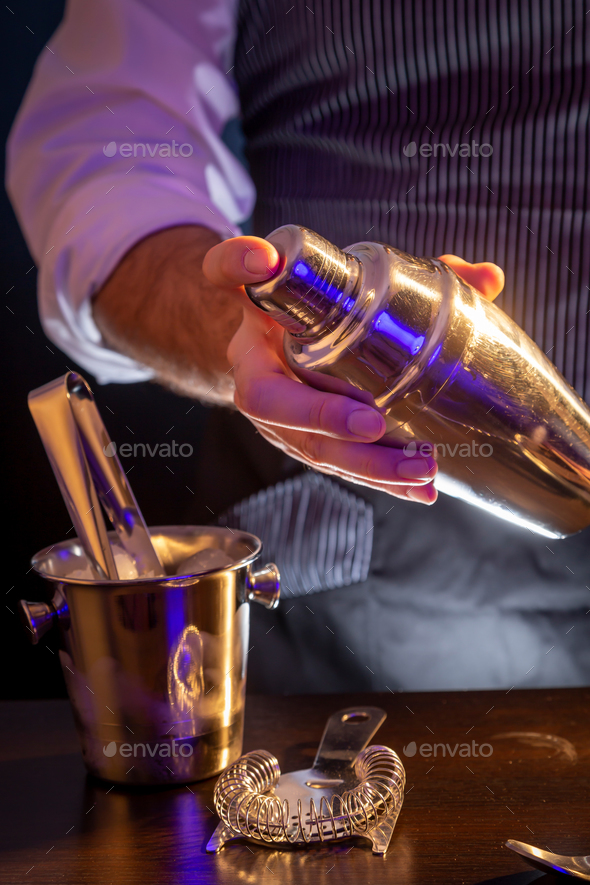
[(263, 586), (39, 617)]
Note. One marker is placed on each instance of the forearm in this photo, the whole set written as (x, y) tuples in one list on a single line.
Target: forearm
[(159, 308)]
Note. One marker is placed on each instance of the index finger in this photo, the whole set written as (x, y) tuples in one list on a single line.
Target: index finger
[(485, 276), (266, 391)]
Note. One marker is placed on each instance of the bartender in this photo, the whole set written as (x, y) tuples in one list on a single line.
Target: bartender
[(447, 127)]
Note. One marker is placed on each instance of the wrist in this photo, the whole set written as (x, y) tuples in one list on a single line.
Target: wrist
[(158, 307)]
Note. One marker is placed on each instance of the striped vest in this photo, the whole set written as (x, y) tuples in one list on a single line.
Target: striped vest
[(437, 127)]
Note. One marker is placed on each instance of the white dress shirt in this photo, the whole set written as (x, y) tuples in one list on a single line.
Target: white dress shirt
[(119, 135)]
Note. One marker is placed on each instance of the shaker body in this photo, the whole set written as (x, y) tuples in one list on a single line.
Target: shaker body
[(453, 373)]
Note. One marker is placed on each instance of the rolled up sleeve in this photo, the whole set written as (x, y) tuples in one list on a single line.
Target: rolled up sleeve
[(119, 135)]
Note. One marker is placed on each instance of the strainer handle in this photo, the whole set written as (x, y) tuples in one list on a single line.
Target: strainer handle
[(347, 732)]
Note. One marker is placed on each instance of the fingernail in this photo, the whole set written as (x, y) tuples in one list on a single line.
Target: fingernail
[(422, 494), (417, 468), (256, 262), (365, 423)]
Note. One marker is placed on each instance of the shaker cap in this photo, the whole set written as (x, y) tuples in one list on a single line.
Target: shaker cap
[(312, 282)]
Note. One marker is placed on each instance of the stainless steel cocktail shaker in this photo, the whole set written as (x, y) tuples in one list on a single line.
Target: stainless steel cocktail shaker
[(451, 372)]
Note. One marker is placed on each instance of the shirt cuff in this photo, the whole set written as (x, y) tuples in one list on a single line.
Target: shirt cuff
[(96, 227)]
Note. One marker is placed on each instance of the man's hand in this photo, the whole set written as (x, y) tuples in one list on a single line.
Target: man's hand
[(175, 302), (330, 432)]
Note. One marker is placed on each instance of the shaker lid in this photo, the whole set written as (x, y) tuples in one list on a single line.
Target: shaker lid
[(312, 283)]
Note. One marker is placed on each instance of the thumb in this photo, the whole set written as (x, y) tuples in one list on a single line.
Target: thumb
[(240, 261)]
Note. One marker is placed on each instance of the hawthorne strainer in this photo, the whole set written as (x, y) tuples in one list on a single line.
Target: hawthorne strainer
[(351, 790)]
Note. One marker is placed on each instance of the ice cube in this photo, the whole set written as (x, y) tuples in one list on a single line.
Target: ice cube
[(208, 559), (85, 574), (126, 567)]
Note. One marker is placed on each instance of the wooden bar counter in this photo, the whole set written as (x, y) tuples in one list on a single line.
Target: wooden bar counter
[(60, 826)]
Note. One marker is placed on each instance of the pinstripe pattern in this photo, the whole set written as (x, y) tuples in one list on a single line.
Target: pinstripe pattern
[(332, 90)]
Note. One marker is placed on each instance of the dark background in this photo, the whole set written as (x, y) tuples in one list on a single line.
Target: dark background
[(34, 513)]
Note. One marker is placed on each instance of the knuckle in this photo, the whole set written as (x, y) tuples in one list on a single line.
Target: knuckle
[(249, 397), (311, 447), (227, 262), (369, 466), (322, 414)]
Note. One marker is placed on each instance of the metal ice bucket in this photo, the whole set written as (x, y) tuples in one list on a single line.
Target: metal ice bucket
[(156, 667)]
